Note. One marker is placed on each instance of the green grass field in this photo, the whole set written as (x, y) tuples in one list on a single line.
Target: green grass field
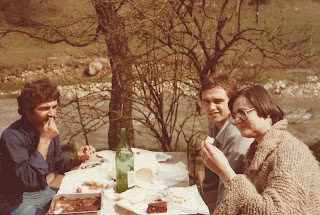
[(22, 53)]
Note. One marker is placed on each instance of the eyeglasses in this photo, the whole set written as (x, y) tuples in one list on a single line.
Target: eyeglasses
[(241, 114)]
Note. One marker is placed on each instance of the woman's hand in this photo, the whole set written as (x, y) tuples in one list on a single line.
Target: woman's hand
[(215, 160)]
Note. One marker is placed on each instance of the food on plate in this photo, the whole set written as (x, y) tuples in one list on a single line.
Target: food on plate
[(145, 174), (180, 198), (89, 165), (177, 197), (136, 153), (66, 205), (157, 207), (134, 195), (92, 185), (58, 211), (99, 156)]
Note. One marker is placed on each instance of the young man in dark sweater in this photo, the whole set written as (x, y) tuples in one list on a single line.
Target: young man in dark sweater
[(30, 150)]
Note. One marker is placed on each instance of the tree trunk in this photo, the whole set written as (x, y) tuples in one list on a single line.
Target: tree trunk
[(120, 107)]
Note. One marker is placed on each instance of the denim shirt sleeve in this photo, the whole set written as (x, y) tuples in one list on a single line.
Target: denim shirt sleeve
[(31, 169)]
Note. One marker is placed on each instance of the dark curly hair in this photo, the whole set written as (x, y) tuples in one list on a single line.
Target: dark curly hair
[(35, 93)]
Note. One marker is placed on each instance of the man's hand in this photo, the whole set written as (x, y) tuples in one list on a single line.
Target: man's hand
[(49, 130), (46, 133), (215, 160), (84, 153)]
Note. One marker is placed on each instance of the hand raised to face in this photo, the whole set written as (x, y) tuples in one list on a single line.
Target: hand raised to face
[(215, 160), (43, 119), (49, 130)]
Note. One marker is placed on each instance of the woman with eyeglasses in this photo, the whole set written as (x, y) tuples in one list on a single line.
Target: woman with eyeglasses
[(281, 176)]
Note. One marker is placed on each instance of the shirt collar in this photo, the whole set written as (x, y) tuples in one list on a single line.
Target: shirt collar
[(220, 135)]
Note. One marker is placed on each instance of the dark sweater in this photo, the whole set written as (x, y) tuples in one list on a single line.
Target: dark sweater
[(23, 168)]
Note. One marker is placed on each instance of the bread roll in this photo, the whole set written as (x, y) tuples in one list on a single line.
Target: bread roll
[(145, 174)]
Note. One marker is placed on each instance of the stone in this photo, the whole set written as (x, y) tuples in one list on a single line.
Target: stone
[(94, 68)]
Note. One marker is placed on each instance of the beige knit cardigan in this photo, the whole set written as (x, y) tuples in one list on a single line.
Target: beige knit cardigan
[(281, 176)]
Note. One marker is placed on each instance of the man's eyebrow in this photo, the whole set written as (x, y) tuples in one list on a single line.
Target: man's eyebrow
[(45, 106), (48, 106)]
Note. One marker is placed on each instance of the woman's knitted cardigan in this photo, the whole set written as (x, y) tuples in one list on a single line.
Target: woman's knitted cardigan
[(281, 176)]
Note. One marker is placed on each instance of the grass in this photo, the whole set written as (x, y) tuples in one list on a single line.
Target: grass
[(22, 53), (25, 52), (296, 76), (21, 49)]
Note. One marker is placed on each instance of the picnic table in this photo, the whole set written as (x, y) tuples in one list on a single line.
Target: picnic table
[(173, 160), (177, 158)]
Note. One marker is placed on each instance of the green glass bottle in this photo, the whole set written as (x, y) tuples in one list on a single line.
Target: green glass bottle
[(124, 164)]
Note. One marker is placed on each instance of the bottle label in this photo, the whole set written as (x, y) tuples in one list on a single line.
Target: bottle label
[(130, 175)]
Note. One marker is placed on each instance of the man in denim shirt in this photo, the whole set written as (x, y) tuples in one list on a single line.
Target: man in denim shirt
[(30, 150), (215, 94)]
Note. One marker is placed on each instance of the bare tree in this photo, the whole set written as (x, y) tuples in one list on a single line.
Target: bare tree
[(120, 109), (83, 112), (201, 38), (80, 31), (214, 35), (159, 95)]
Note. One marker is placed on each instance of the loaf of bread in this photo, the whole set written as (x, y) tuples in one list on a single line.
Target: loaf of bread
[(145, 174)]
